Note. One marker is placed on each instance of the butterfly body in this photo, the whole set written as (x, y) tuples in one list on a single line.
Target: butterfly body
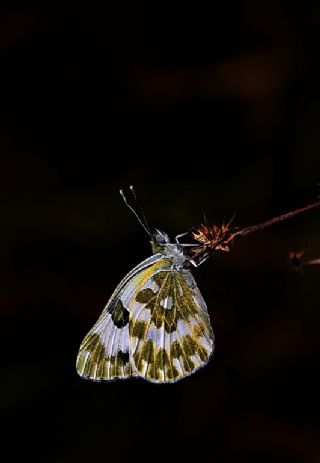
[(155, 325)]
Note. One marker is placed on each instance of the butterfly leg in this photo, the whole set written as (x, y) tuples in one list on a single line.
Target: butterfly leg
[(197, 263), (180, 236), (180, 245), (185, 245)]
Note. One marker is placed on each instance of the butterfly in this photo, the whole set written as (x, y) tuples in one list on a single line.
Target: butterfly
[(156, 325)]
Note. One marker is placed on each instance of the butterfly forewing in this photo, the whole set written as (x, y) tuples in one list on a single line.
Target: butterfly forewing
[(170, 331), (105, 351)]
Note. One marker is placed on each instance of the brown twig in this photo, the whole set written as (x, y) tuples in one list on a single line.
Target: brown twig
[(280, 218), (215, 237)]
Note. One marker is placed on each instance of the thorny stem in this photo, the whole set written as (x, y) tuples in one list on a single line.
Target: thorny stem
[(247, 230)]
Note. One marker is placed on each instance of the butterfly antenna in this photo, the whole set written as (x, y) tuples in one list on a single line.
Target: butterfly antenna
[(140, 209), (142, 222), (133, 192)]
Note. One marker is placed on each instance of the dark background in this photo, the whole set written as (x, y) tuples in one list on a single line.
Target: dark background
[(201, 108)]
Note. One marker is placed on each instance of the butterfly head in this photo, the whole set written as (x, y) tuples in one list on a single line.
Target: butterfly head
[(159, 240)]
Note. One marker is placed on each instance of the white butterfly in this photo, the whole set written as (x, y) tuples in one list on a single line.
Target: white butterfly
[(155, 325)]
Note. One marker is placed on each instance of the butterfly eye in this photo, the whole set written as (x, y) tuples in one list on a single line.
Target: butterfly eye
[(161, 237)]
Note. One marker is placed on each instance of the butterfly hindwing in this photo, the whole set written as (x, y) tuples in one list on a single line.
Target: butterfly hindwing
[(170, 331), (105, 351)]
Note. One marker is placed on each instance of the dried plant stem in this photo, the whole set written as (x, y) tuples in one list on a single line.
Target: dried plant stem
[(247, 230)]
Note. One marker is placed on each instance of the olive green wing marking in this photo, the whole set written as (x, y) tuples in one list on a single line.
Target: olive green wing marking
[(170, 331), (104, 353)]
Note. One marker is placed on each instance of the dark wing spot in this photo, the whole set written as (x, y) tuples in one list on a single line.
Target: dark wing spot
[(119, 314), (145, 296), (160, 278), (145, 353), (139, 329), (123, 356), (176, 350)]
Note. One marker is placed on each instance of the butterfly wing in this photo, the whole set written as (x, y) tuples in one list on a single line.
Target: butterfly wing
[(170, 332), (105, 351)]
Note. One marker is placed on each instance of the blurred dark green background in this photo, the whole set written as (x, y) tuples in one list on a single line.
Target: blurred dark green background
[(201, 108)]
